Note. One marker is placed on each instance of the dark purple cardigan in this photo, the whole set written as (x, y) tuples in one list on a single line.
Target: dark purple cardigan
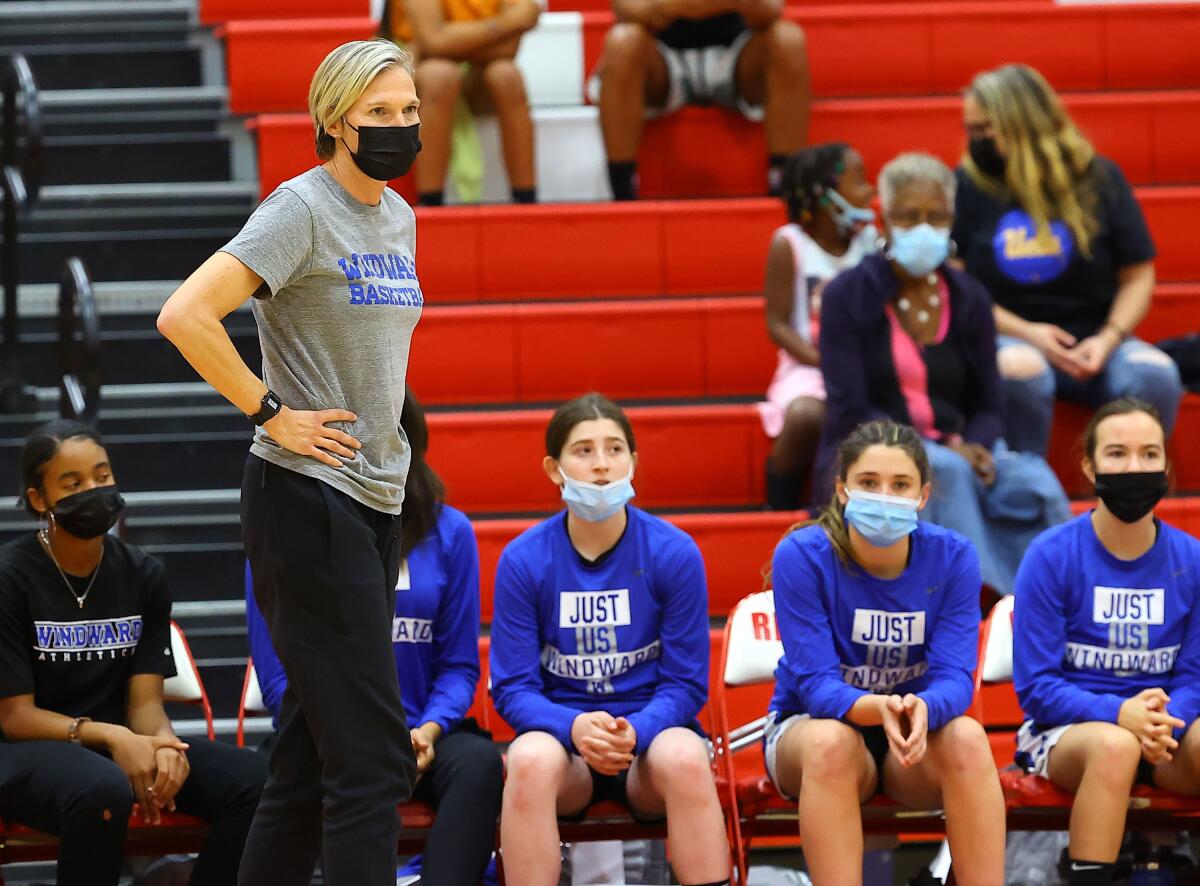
[(856, 356)]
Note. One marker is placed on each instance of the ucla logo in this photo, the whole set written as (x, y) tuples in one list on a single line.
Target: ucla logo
[(1024, 256)]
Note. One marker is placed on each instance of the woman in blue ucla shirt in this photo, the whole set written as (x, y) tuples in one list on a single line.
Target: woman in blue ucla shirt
[(879, 618), (599, 660), (1106, 653), (435, 631)]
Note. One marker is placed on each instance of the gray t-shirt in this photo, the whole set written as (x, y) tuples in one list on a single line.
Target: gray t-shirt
[(336, 313)]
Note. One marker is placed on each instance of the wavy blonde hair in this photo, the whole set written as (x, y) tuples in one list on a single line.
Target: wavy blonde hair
[(1049, 161), (342, 78)]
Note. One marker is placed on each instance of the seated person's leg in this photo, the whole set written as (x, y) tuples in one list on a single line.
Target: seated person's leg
[(80, 796), (792, 455), (223, 787), (1138, 369), (632, 73), (958, 774), (826, 764), (438, 83), (1098, 762), (464, 783), (1182, 772), (504, 87), (674, 778), (1029, 387), (772, 73), (543, 781)]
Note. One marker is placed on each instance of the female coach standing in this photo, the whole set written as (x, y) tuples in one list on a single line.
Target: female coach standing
[(328, 258)]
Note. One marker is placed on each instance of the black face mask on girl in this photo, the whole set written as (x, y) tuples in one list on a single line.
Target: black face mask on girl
[(89, 514), (1133, 495), (386, 152), (986, 156)]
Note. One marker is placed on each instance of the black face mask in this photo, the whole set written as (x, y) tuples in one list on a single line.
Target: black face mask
[(1133, 495), (986, 156), (89, 514), (386, 152)]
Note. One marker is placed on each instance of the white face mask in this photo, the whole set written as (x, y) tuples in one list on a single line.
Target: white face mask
[(592, 502)]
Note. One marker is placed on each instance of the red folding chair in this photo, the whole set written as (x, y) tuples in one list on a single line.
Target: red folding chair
[(1034, 803), (750, 651)]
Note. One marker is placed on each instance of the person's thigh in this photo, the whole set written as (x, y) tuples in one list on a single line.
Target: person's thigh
[(41, 781), (537, 758), (825, 743), (1139, 369), (674, 753), (222, 779), (463, 763), (1079, 746), (1182, 772)]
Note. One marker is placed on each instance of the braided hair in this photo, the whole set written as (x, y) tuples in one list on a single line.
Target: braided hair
[(807, 175)]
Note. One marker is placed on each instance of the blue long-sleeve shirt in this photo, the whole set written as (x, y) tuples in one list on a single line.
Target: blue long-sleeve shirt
[(435, 629), (627, 634), (846, 633), (1091, 630)]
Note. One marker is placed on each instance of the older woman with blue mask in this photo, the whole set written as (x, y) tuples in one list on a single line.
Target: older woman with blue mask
[(906, 336)]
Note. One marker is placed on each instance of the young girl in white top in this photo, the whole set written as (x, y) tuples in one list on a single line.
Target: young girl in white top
[(830, 228)]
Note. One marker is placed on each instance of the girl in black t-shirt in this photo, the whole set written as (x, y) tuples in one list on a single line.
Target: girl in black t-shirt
[(85, 645), (1056, 234)]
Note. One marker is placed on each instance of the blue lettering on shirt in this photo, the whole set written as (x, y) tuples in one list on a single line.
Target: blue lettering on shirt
[(377, 266), (111, 633)]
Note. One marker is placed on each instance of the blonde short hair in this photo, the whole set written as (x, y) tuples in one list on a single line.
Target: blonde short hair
[(905, 169), (343, 77)]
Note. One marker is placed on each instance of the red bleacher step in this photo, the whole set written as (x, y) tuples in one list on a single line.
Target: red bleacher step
[(1151, 135), (689, 456), (214, 12), (653, 348)]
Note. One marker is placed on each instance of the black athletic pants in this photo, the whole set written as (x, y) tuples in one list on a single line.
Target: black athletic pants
[(84, 798), (464, 784), (325, 569)]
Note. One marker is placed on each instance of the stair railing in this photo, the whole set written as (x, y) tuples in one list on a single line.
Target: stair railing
[(78, 348)]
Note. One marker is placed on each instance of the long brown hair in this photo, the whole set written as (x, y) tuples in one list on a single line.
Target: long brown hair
[(589, 407), (1049, 169)]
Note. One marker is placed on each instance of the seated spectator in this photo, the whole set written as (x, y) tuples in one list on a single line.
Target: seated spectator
[(85, 642), (599, 661), (1056, 234), (1106, 655), (465, 49), (436, 635), (906, 336), (879, 618), (738, 55), (830, 228)]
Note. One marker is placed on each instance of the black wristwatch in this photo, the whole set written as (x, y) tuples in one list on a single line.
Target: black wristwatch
[(271, 404)]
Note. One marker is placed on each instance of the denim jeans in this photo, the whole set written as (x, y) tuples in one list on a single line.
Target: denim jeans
[(1134, 369)]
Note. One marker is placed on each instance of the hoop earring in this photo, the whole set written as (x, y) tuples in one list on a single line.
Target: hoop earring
[(883, 247), (953, 249)]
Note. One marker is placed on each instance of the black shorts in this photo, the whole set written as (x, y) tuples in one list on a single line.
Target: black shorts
[(614, 788)]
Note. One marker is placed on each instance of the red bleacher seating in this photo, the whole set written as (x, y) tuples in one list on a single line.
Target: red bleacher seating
[(491, 460), (214, 12), (646, 349)]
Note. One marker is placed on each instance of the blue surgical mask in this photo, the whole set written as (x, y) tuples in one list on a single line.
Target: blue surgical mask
[(592, 502), (920, 250), (850, 219), (881, 519)]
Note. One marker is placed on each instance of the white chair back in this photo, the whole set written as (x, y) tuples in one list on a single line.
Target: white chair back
[(754, 644), (998, 653), (253, 703), (185, 686)]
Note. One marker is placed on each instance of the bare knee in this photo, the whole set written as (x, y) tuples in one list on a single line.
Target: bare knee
[(680, 761), (1113, 757), (963, 749), (438, 80), (536, 765), (787, 48), (504, 83), (1021, 362), (626, 48), (805, 414), (829, 752)]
